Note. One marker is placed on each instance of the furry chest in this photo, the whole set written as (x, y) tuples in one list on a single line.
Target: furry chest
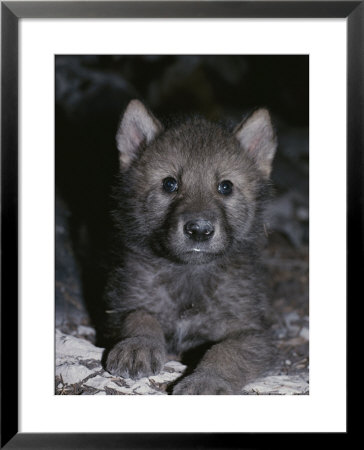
[(186, 333), (192, 327)]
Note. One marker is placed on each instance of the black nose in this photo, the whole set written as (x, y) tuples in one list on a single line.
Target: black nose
[(199, 230)]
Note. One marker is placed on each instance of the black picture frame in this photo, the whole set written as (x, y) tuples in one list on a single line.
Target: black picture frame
[(11, 12)]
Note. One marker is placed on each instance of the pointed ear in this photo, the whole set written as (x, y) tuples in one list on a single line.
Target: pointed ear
[(257, 137), (137, 126)]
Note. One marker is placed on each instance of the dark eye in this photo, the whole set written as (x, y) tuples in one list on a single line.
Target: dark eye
[(170, 184), (225, 187)]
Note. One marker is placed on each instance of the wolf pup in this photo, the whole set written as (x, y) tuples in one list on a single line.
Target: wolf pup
[(189, 230)]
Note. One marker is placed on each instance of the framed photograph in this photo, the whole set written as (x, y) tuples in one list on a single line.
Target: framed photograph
[(140, 141)]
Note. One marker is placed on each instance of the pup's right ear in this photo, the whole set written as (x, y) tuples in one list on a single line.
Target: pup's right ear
[(137, 126)]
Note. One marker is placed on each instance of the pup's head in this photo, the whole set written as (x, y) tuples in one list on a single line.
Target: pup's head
[(192, 193)]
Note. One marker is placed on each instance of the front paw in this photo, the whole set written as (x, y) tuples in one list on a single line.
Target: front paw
[(203, 384), (136, 357)]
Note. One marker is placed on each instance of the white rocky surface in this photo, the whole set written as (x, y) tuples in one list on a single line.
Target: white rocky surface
[(278, 385), (79, 372)]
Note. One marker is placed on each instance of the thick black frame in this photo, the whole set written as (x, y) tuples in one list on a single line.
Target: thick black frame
[(11, 12)]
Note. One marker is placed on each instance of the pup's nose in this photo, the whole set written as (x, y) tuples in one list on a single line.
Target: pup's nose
[(199, 230)]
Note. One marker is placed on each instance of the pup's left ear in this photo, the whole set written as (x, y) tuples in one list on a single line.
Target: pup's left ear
[(257, 137)]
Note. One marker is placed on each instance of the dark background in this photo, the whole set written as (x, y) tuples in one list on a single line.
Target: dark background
[(92, 92)]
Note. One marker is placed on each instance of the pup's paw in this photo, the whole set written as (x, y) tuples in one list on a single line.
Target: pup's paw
[(203, 384), (136, 358)]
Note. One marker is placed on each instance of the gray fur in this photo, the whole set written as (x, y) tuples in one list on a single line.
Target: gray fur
[(168, 293)]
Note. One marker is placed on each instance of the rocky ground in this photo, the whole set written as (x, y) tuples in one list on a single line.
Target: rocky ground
[(79, 372)]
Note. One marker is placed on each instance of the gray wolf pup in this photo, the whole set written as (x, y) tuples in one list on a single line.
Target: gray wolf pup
[(186, 274)]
